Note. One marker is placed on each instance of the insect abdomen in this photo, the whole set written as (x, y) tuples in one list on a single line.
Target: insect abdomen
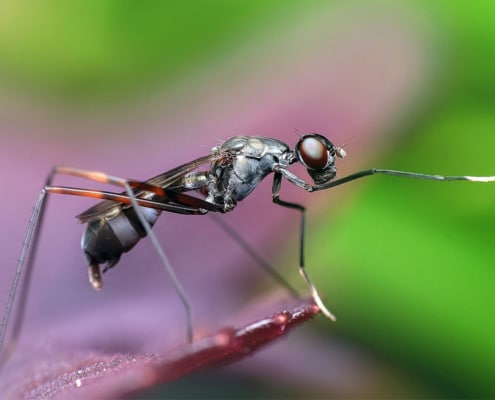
[(106, 238)]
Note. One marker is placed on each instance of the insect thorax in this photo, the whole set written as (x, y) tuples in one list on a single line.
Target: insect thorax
[(242, 164)]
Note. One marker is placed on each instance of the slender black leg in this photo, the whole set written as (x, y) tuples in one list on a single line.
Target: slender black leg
[(30, 245), (26, 260), (105, 178), (166, 263), (402, 174), (277, 182), (264, 264)]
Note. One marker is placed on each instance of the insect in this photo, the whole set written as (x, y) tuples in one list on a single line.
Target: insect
[(116, 224)]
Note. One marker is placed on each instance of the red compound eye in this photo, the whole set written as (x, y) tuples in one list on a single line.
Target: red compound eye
[(313, 153)]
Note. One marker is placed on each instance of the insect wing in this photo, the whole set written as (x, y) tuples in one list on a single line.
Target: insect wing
[(163, 181), (168, 178)]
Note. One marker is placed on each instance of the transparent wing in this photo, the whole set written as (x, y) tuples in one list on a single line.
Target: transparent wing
[(163, 181)]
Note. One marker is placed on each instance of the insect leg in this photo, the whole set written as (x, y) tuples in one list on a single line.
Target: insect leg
[(402, 174), (125, 199), (277, 182), (105, 178), (30, 245), (26, 260), (267, 267), (166, 263)]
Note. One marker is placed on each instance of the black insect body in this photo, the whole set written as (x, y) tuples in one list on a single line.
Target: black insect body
[(235, 168)]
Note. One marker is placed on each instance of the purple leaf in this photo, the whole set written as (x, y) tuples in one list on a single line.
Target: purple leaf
[(89, 374)]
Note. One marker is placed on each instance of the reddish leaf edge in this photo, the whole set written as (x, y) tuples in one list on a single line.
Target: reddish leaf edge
[(226, 346), (114, 375)]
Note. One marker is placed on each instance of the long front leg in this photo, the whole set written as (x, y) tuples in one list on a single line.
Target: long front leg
[(277, 182), (402, 174)]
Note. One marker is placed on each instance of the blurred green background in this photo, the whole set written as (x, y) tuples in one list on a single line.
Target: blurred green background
[(406, 265)]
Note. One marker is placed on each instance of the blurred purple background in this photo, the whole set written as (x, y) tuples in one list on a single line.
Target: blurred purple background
[(350, 72)]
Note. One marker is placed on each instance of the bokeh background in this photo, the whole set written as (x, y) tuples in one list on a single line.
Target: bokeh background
[(135, 88)]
